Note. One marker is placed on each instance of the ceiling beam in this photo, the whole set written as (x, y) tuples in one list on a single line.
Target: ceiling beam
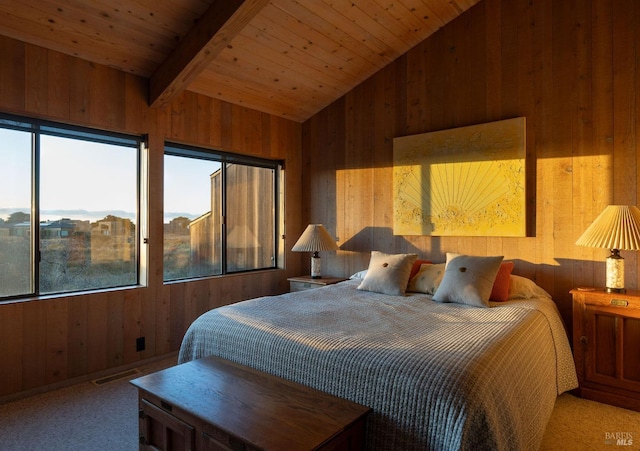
[(209, 36)]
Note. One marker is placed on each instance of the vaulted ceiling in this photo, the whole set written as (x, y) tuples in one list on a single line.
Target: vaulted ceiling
[(290, 58)]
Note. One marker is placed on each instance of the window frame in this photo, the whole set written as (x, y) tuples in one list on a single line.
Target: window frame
[(37, 128), (223, 157)]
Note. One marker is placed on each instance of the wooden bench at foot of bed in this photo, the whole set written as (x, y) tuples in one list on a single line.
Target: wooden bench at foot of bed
[(215, 404)]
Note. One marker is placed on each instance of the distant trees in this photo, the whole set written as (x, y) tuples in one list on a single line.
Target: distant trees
[(73, 255), (18, 217), (101, 256)]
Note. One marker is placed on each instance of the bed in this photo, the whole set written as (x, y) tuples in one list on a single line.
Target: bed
[(438, 376)]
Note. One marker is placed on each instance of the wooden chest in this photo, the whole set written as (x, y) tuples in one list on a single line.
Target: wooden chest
[(214, 404)]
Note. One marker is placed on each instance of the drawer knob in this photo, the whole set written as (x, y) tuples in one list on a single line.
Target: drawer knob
[(584, 340)]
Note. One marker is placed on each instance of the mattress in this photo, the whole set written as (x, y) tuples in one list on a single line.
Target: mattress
[(437, 376)]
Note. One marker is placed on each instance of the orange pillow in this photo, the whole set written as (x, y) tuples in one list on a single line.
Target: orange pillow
[(416, 267), (500, 291)]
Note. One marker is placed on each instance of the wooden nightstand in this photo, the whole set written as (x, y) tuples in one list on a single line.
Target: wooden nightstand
[(307, 283), (606, 346)]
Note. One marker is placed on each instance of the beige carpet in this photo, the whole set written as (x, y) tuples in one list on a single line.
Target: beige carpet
[(89, 417), (582, 425), (83, 417)]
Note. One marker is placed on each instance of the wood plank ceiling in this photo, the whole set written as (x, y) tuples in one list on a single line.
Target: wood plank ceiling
[(290, 58)]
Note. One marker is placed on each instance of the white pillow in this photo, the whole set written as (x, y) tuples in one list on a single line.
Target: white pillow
[(388, 273), (523, 288), (359, 275), (428, 278), (468, 279)]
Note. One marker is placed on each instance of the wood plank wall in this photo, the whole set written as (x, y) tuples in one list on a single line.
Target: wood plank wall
[(569, 66), (47, 342)]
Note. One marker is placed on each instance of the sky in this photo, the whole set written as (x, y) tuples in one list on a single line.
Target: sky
[(187, 185), (88, 180)]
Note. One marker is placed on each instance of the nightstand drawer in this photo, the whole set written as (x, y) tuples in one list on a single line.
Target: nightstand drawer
[(307, 283), (301, 286)]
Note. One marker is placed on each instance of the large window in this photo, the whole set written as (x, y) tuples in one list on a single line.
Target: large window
[(220, 213), (68, 208)]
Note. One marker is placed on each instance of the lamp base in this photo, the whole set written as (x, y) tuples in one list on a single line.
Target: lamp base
[(315, 267), (615, 273)]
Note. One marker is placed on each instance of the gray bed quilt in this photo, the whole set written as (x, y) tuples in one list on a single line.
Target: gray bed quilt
[(437, 376)]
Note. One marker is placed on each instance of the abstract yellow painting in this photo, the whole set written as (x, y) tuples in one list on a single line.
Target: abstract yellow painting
[(467, 181)]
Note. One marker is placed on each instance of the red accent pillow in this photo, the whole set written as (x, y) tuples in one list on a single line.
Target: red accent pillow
[(416, 267), (500, 291)]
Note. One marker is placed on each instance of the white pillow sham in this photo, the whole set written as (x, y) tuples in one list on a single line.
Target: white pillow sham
[(468, 279), (523, 288), (428, 278), (388, 273)]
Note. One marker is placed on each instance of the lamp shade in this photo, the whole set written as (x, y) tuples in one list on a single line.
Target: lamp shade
[(617, 227), (315, 239)]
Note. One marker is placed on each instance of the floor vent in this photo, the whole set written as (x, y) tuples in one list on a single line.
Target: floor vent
[(115, 377)]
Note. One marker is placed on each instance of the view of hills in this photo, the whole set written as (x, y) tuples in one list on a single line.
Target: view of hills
[(85, 215)]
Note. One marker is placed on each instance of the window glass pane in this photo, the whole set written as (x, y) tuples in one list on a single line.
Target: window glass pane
[(192, 213), (88, 204), (250, 218), (16, 274)]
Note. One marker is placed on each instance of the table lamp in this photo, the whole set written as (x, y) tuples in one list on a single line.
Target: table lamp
[(315, 239), (616, 228)]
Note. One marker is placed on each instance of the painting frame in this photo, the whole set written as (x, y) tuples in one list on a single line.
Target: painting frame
[(465, 181)]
